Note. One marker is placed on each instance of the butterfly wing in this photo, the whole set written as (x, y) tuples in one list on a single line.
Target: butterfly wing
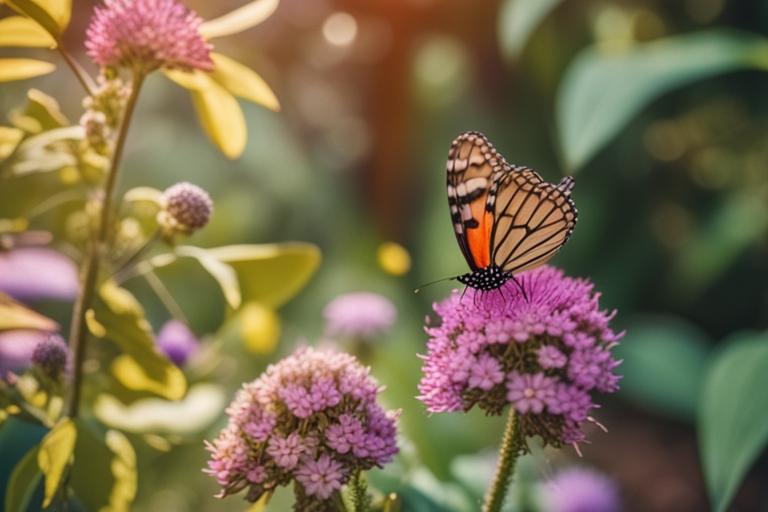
[(472, 163), (533, 219)]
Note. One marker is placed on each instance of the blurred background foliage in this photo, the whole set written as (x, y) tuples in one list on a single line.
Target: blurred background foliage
[(659, 109)]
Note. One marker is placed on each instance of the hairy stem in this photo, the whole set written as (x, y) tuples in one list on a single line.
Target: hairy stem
[(511, 446), (98, 246)]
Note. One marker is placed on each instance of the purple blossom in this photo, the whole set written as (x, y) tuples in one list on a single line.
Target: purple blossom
[(528, 392), (580, 490), (359, 316), (147, 35), (51, 356), (36, 273), (177, 342), (312, 419), (186, 209), (320, 477), (552, 348)]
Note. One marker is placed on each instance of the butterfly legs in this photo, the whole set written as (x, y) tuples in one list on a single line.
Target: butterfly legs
[(521, 287)]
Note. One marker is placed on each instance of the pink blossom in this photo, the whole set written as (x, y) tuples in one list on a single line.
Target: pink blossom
[(320, 477)]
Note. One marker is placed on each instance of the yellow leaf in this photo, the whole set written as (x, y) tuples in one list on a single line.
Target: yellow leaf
[(46, 110), (9, 139), (120, 318), (242, 18), (15, 316), (124, 470), (167, 382), (259, 327), (24, 32), (21, 69), (52, 15), (393, 258), (224, 274), (54, 455), (222, 119), (194, 80), (242, 81)]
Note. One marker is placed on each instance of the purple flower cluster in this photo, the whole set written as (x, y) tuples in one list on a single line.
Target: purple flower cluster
[(177, 342), (312, 419), (51, 356), (359, 316), (145, 35), (579, 489), (544, 355)]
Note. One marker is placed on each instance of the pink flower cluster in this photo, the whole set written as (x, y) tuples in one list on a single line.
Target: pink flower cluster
[(145, 35), (312, 419), (545, 355)]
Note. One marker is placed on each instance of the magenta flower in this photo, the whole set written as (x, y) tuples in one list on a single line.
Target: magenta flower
[(359, 316), (312, 419), (545, 356), (177, 342), (144, 35), (36, 273), (580, 490)]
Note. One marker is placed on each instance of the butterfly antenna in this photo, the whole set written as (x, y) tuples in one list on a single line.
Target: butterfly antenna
[(421, 287)]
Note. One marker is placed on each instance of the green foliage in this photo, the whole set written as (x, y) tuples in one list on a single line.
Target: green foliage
[(518, 20), (52, 15), (664, 364), (105, 476), (602, 91), (120, 318), (733, 415), (23, 483)]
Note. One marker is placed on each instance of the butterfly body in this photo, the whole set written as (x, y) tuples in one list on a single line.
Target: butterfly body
[(506, 218)]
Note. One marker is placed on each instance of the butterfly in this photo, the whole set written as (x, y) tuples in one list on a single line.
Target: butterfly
[(507, 219)]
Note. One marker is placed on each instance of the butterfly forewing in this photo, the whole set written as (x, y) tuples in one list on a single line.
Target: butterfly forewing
[(472, 164)]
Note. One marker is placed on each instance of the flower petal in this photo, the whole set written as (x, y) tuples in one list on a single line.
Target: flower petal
[(240, 19), (193, 80), (24, 32), (222, 119), (242, 81), (20, 69)]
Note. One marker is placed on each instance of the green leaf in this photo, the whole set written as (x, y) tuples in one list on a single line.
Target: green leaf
[(52, 15), (518, 19), (242, 18), (56, 450), (119, 317), (664, 364), (223, 274), (733, 415), (105, 476), (270, 274), (197, 410), (23, 482), (24, 32), (602, 91), (222, 119), (243, 82), (15, 316), (21, 69)]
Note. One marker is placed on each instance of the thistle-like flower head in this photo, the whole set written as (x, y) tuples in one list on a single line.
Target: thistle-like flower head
[(359, 316), (186, 208)]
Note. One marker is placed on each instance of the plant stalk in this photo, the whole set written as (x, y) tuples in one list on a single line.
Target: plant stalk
[(90, 271), (79, 72), (511, 446)]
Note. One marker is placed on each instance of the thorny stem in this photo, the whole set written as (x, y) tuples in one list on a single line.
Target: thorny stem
[(511, 446), (79, 72), (90, 271)]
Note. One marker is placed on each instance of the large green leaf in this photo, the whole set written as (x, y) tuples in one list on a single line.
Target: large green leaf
[(733, 415), (105, 476), (602, 91), (270, 273), (119, 317), (664, 364), (23, 482), (224, 274), (518, 19), (54, 455)]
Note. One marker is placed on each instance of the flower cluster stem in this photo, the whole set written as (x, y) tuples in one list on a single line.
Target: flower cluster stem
[(511, 446), (97, 247)]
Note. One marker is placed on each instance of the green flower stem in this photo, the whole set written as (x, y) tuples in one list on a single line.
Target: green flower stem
[(79, 72), (98, 247), (511, 446)]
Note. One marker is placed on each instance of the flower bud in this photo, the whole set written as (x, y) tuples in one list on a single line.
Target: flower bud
[(51, 356), (186, 208)]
